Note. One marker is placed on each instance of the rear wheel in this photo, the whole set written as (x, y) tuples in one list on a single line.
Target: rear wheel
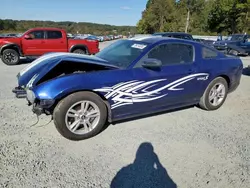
[(215, 94), (10, 57), (80, 115), (79, 51)]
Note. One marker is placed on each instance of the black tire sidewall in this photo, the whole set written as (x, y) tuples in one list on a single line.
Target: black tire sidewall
[(211, 85), (63, 106), (14, 52), (234, 52), (79, 51)]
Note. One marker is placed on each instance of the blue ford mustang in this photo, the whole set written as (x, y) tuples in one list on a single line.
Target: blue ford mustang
[(129, 78)]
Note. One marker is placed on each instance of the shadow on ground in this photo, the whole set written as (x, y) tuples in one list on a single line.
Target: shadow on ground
[(25, 61), (246, 71), (146, 171)]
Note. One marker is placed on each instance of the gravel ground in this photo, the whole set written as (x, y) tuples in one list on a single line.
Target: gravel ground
[(187, 148)]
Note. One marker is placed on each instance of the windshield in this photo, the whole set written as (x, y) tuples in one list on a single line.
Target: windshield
[(235, 37), (123, 52)]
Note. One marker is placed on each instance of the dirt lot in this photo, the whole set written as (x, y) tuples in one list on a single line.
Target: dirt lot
[(188, 148)]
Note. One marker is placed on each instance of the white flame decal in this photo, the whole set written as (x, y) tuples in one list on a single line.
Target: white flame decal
[(135, 91)]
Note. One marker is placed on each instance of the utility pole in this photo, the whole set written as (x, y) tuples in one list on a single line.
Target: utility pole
[(188, 16)]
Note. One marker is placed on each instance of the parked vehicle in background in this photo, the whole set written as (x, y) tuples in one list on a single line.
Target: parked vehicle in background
[(198, 40), (107, 38), (129, 78), (10, 35), (236, 44), (92, 37), (204, 41), (38, 41), (80, 36), (70, 36), (111, 37), (100, 38), (208, 42), (179, 35)]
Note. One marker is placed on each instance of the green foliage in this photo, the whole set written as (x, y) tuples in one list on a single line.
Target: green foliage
[(19, 26), (206, 16)]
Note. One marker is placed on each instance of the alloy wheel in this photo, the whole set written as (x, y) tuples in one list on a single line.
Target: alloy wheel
[(10, 57), (82, 117), (217, 94)]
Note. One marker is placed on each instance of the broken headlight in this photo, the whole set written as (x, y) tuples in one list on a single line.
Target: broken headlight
[(30, 96)]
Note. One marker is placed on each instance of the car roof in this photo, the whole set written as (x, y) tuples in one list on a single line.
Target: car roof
[(155, 39), (46, 28), (171, 33), (238, 34)]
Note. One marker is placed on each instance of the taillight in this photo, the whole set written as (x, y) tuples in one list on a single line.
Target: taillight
[(95, 41)]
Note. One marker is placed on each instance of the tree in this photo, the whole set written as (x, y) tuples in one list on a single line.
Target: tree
[(157, 16), (229, 15), (195, 16), (71, 27)]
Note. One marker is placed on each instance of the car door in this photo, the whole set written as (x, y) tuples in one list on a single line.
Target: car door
[(175, 83), (35, 44), (55, 42)]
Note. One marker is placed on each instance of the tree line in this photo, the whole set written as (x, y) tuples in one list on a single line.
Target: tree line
[(201, 17), (20, 26), (208, 17)]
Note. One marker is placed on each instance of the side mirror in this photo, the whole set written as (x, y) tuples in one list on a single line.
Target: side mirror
[(152, 63), (27, 37)]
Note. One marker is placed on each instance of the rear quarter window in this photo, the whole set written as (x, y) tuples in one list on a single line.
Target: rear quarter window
[(208, 53)]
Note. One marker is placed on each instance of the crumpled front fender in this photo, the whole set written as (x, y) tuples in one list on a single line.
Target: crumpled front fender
[(62, 86)]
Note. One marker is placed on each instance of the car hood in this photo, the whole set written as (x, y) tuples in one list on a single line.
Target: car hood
[(41, 66), (224, 42), (9, 40)]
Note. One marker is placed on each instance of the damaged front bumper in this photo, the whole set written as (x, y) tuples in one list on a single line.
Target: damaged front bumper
[(19, 92), (43, 107), (39, 106), (37, 109)]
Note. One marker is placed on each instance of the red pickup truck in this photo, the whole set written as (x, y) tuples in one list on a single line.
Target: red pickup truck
[(38, 41)]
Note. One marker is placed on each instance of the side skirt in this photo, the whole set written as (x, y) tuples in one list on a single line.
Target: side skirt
[(153, 112)]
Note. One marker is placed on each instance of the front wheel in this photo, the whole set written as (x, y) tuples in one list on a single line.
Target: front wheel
[(80, 116), (10, 57), (215, 94)]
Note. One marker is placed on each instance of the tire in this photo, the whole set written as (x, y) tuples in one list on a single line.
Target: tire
[(61, 120), (234, 52), (79, 51), (205, 103), (10, 57)]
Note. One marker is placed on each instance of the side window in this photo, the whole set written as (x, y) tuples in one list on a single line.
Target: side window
[(247, 38), (178, 36), (54, 34), (173, 53), (166, 35), (37, 34), (208, 53), (187, 37)]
